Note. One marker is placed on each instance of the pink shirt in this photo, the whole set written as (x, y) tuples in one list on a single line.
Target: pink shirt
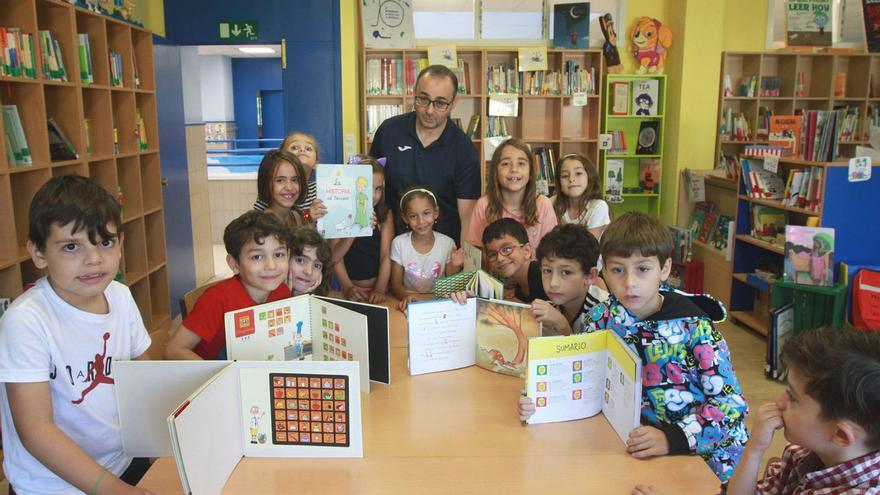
[(544, 222)]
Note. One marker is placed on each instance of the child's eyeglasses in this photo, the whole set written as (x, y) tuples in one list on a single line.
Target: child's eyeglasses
[(439, 105), (505, 251)]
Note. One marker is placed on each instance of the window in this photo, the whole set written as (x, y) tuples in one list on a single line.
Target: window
[(499, 22), (846, 17)]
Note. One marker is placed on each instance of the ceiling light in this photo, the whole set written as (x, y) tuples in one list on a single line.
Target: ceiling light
[(256, 49)]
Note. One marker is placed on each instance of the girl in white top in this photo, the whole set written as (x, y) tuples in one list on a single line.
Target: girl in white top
[(421, 256), (579, 198)]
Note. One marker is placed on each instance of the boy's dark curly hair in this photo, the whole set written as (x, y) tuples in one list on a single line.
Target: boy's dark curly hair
[(573, 242)]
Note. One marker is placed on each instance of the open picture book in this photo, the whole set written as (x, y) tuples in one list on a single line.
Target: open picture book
[(315, 328), (477, 281), (444, 335), (579, 376), (235, 410)]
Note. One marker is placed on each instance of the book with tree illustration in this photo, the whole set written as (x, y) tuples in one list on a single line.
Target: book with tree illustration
[(444, 335), (347, 193), (579, 376)]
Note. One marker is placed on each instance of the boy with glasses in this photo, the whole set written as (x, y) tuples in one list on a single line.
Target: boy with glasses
[(509, 256)]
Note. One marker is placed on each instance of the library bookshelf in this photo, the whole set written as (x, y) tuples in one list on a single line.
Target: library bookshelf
[(842, 205), (100, 121), (549, 121), (634, 192), (828, 81)]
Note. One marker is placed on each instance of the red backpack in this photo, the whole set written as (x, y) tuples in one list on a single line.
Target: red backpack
[(866, 300)]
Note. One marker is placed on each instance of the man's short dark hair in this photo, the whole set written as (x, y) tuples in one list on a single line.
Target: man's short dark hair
[(253, 226), (572, 242), (72, 198), (439, 71), (841, 370), (637, 232), (502, 227)]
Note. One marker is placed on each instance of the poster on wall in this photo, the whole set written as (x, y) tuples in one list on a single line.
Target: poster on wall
[(387, 23), (808, 23), (871, 11)]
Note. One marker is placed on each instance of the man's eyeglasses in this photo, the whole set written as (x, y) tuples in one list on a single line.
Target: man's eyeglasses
[(439, 105), (505, 251)]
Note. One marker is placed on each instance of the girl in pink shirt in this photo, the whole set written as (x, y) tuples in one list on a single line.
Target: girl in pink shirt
[(510, 193)]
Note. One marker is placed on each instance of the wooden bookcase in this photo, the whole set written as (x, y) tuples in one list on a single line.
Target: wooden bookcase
[(634, 195), (132, 171), (841, 205), (547, 121), (861, 90)]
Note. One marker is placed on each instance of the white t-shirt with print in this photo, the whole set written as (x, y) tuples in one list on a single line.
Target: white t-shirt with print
[(595, 215), (45, 339), (421, 270)]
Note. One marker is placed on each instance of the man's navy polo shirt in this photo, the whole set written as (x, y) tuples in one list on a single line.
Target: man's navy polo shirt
[(449, 167)]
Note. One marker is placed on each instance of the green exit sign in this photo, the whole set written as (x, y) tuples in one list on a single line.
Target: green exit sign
[(237, 30)]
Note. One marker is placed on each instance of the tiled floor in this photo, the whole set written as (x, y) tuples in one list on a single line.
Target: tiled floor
[(746, 347)]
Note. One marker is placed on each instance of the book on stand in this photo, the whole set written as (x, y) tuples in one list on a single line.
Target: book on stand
[(809, 255)]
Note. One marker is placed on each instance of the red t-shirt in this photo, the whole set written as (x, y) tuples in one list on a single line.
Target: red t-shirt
[(206, 317)]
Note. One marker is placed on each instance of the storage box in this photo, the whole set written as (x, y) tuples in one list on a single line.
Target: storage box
[(814, 306)]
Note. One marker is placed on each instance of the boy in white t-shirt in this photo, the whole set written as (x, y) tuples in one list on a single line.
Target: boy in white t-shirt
[(58, 343)]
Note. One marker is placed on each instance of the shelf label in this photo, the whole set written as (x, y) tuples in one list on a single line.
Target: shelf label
[(579, 99), (605, 141), (238, 30), (503, 105), (771, 163), (859, 169), (443, 55)]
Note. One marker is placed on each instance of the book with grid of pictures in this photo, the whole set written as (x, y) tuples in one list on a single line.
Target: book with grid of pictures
[(312, 328), (478, 281)]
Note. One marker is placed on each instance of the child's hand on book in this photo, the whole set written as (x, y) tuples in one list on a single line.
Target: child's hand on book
[(405, 302), (525, 407), (377, 297), (317, 210), (550, 317), (461, 296), (647, 441), (767, 421)]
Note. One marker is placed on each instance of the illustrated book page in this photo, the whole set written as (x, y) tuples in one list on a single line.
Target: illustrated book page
[(347, 193), (442, 334)]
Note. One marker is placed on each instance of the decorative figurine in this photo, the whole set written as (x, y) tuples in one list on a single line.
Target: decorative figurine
[(609, 48)]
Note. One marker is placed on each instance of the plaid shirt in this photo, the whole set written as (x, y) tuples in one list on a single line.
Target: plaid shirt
[(800, 472)]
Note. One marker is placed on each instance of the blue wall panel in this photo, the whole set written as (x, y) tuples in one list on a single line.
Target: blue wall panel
[(250, 75), (172, 155), (311, 82)]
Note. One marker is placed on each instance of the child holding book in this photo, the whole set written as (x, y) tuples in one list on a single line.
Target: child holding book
[(60, 423), (578, 196), (509, 256), (567, 256), (354, 259), (421, 256), (305, 147), (257, 253), (281, 184), (692, 402), (511, 193), (310, 258)]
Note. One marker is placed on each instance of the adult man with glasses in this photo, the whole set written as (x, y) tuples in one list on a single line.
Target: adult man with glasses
[(423, 147)]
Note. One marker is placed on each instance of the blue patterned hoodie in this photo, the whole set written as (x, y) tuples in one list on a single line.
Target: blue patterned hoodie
[(689, 388)]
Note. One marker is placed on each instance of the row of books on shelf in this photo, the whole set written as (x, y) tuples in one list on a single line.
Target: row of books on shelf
[(802, 188), (711, 228), (15, 141), (53, 62), (748, 86), (18, 56), (116, 74), (545, 168), (397, 76), (649, 178), (645, 97), (496, 126), (735, 126), (86, 75), (376, 114)]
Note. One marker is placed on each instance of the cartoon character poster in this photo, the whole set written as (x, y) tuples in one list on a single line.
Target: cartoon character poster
[(347, 193)]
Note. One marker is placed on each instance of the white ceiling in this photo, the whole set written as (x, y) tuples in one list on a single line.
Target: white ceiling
[(234, 52)]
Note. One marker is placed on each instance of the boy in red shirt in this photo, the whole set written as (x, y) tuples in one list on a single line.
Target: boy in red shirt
[(257, 251)]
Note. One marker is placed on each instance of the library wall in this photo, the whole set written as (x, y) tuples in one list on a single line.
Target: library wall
[(199, 200), (229, 199), (249, 76)]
